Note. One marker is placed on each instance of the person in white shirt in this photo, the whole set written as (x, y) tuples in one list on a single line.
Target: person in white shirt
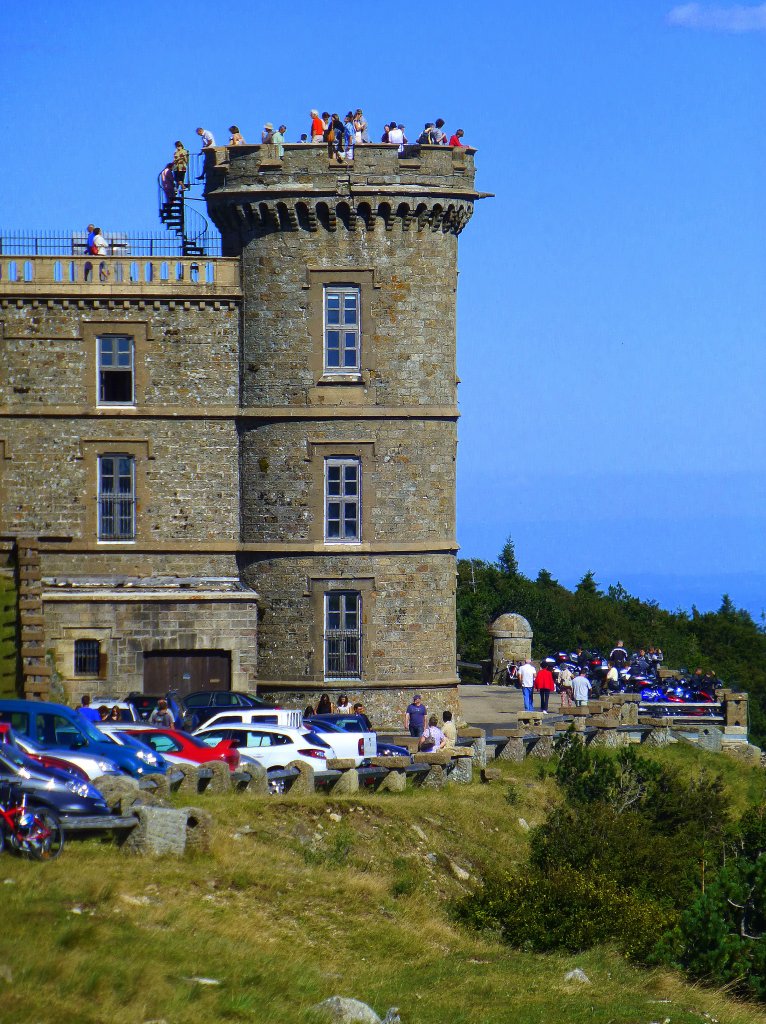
[(100, 242), (526, 675), (207, 138), (396, 136)]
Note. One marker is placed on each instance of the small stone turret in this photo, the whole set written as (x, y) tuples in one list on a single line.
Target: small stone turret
[(348, 427), (511, 640)]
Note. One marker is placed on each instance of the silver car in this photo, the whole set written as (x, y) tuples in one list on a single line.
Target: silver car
[(93, 765)]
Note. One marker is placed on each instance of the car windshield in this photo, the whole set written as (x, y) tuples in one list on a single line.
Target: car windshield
[(90, 731), (313, 725)]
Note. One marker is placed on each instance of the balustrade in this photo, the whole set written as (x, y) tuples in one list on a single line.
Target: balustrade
[(23, 275)]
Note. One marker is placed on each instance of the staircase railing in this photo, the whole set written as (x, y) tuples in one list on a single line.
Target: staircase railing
[(177, 216)]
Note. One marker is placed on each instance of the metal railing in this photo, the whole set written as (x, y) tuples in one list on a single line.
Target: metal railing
[(343, 654), (122, 243), (20, 275)]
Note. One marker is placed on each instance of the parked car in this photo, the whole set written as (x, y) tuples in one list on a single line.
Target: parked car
[(175, 745), (146, 703), (386, 749), (358, 745), (200, 706), (49, 787), (349, 724), (57, 727), (257, 716), (90, 765), (271, 746), (115, 733)]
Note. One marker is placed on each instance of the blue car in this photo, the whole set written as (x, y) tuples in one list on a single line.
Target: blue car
[(55, 726)]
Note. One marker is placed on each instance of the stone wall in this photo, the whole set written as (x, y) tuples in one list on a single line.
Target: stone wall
[(128, 627)]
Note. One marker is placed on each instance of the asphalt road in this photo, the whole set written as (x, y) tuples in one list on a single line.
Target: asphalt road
[(491, 705)]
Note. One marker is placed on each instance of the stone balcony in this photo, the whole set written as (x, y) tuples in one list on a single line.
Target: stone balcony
[(119, 276)]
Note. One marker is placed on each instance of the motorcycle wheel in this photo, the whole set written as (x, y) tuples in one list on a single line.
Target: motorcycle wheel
[(46, 840)]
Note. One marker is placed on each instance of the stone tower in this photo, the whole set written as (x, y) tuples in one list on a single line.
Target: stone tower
[(348, 425)]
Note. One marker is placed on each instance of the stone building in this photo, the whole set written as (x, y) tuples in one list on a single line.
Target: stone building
[(240, 472)]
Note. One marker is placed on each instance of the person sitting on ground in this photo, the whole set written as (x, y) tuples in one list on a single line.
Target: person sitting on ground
[(344, 707), (455, 139), (236, 136), (85, 709), (162, 715), (103, 713), (361, 712), (448, 728), (432, 737)]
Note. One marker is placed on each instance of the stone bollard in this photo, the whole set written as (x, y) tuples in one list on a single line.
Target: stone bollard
[(660, 737), (515, 749), (304, 783), (396, 780), (478, 747), (734, 708), (462, 770), (159, 830), (119, 791), (349, 780), (257, 784), (161, 788), (221, 778), (607, 735), (543, 748), (437, 760), (189, 778), (199, 829)]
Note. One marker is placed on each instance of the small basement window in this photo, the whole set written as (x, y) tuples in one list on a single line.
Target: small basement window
[(86, 657)]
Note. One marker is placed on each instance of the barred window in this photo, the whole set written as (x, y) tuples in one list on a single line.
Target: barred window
[(86, 657), (115, 370), (342, 506), (343, 635), (342, 328), (116, 497)]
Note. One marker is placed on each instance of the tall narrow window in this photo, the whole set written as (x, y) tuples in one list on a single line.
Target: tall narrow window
[(86, 657), (116, 497), (342, 491), (343, 635), (115, 370), (342, 328)]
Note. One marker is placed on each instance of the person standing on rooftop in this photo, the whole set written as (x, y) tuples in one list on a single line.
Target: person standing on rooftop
[(317, 127), (396, 136), (266, 134), (236, 136), (438, 135), (455, 139), (278, 140), (360, 126), (349, 137)]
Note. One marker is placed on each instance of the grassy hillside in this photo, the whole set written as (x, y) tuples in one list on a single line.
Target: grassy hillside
[(8, 647), (303, 899)]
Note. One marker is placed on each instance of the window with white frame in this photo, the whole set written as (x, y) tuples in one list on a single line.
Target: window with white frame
[(116, 379), (87, 657), (342, 328), (116, 497), (342, 635), (342, 489)]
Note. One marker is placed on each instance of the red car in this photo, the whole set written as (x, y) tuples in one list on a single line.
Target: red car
[(175, 744)]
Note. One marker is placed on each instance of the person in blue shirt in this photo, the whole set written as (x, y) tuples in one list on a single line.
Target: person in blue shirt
[(87, 711), (415, 716)]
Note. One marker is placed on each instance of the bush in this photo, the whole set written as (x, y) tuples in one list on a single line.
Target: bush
[(567, 910)]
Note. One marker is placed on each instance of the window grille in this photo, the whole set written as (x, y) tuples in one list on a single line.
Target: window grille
[(343, 635), (86, 657), (116, 497)]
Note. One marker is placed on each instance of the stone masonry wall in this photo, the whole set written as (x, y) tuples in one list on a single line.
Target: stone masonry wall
[(126, 629)]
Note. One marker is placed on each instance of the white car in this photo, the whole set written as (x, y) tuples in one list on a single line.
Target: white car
[(127, 712), (356, 745), (257, 716), (270, 745)]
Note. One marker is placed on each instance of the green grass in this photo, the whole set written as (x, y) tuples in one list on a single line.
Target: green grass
[(293, 906)]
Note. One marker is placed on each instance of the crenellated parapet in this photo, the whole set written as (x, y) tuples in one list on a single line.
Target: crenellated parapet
[(252, 189)]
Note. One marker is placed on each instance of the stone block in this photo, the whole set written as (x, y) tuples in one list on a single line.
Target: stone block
[(189, 782), (257, 783), (347, 783), (462, 771), (440, 757), (340, 764), (304, 783), (491, 775), (395, 761), (394, 782), (161, 785), (160, 830), (607, 736), (542, 748), (119, 791), (220, 782), (199, 830), (514, 750), (471, 733), (436, 777), (661, 736), (747, 753)]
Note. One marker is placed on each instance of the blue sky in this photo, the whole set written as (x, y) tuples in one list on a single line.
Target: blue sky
[(612, 307)]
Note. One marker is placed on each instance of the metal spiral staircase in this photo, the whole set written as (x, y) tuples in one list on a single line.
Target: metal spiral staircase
[(180, 217)]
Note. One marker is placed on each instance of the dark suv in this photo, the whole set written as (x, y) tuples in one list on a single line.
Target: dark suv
[(203, 704)]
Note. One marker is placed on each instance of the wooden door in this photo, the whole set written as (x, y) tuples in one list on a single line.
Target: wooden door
[(186, 671)]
